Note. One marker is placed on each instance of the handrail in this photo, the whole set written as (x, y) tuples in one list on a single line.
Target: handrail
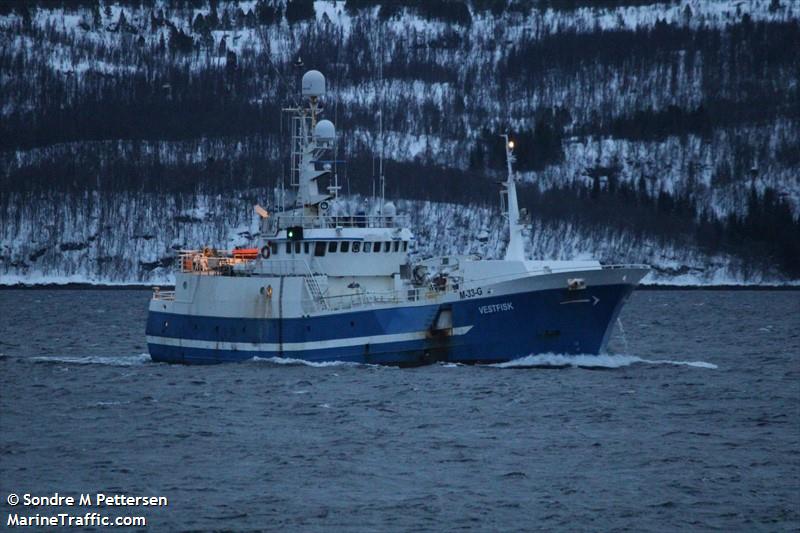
[(431, 291), (558, 270), (158, 294), (211, 262), (280, 221), (408, 294)]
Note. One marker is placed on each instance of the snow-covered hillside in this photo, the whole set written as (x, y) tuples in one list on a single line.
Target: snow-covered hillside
[(132, 238), (665, 132)]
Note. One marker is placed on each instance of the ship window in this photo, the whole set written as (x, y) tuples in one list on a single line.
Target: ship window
[(405, 246), (356, 246), (288, 247), (273, 248), (297, 247), (367, 246), (345, 246), (319, 249), (396, 246), (387, 246), (376, 247), (306, 247), (332, 246)]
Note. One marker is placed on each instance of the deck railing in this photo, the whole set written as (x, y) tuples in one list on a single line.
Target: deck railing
[(429, 291), (280, 221)]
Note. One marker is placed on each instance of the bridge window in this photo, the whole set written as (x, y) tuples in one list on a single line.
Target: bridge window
[(396, 246), (345, 246), (273, 248), (367, 246), (387, 247), (405, 246), (319, 249), (288, 247), (332, 247), (297, 247), (376, 247), (356, 246), (306, 247)]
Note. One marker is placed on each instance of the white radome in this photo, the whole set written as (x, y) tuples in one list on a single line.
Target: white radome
[(313, 83), (325, 130)]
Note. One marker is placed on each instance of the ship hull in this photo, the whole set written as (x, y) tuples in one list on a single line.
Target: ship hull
[(491, 329)]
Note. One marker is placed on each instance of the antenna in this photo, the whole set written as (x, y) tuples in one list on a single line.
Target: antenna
[(380, 128), (298, 69), (336, 118)]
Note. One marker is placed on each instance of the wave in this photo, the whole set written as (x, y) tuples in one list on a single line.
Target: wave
[(110, 360), (532, 361), (288, 361), (550, 360)]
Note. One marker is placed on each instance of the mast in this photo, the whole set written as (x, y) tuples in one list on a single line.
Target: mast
[(380, 115), (516, 249), (311, 138)]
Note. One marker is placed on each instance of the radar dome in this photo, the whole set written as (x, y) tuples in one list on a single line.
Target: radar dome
[(313, 83), (324, 130), (389, 209)]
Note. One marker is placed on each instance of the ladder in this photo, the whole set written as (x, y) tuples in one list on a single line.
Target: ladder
[(315, 289)]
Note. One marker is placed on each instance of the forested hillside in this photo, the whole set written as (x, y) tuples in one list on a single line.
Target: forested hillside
[(657, 131)]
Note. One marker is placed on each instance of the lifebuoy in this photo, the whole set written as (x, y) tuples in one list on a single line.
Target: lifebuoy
[(265, 251)]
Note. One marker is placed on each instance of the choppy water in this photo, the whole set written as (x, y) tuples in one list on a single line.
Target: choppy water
[(695, 425)]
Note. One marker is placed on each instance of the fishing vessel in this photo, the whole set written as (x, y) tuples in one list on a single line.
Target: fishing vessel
[(324, 284)]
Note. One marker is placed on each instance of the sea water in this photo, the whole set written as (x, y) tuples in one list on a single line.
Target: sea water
[(692, 421)]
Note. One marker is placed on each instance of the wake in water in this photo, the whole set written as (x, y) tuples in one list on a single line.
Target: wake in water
[(550, 360), (532, 361), (111, 360), (284, 361)]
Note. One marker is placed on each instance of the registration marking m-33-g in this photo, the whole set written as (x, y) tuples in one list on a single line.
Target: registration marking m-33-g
[(470, 293)]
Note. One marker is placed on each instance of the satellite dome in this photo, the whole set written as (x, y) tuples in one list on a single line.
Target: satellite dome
[(324, 130), (389, 209), (313, 83)]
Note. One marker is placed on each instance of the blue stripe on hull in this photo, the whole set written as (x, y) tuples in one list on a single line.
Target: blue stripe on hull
[(557, 321)]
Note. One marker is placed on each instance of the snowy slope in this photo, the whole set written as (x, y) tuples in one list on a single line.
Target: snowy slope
[(132, 239)]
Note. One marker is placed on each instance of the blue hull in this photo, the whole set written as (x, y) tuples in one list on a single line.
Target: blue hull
[(486, 330)]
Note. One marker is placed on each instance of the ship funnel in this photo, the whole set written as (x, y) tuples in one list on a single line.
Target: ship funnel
[(313, 84)]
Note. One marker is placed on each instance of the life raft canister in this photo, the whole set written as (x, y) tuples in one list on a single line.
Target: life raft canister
[(265, 252)]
